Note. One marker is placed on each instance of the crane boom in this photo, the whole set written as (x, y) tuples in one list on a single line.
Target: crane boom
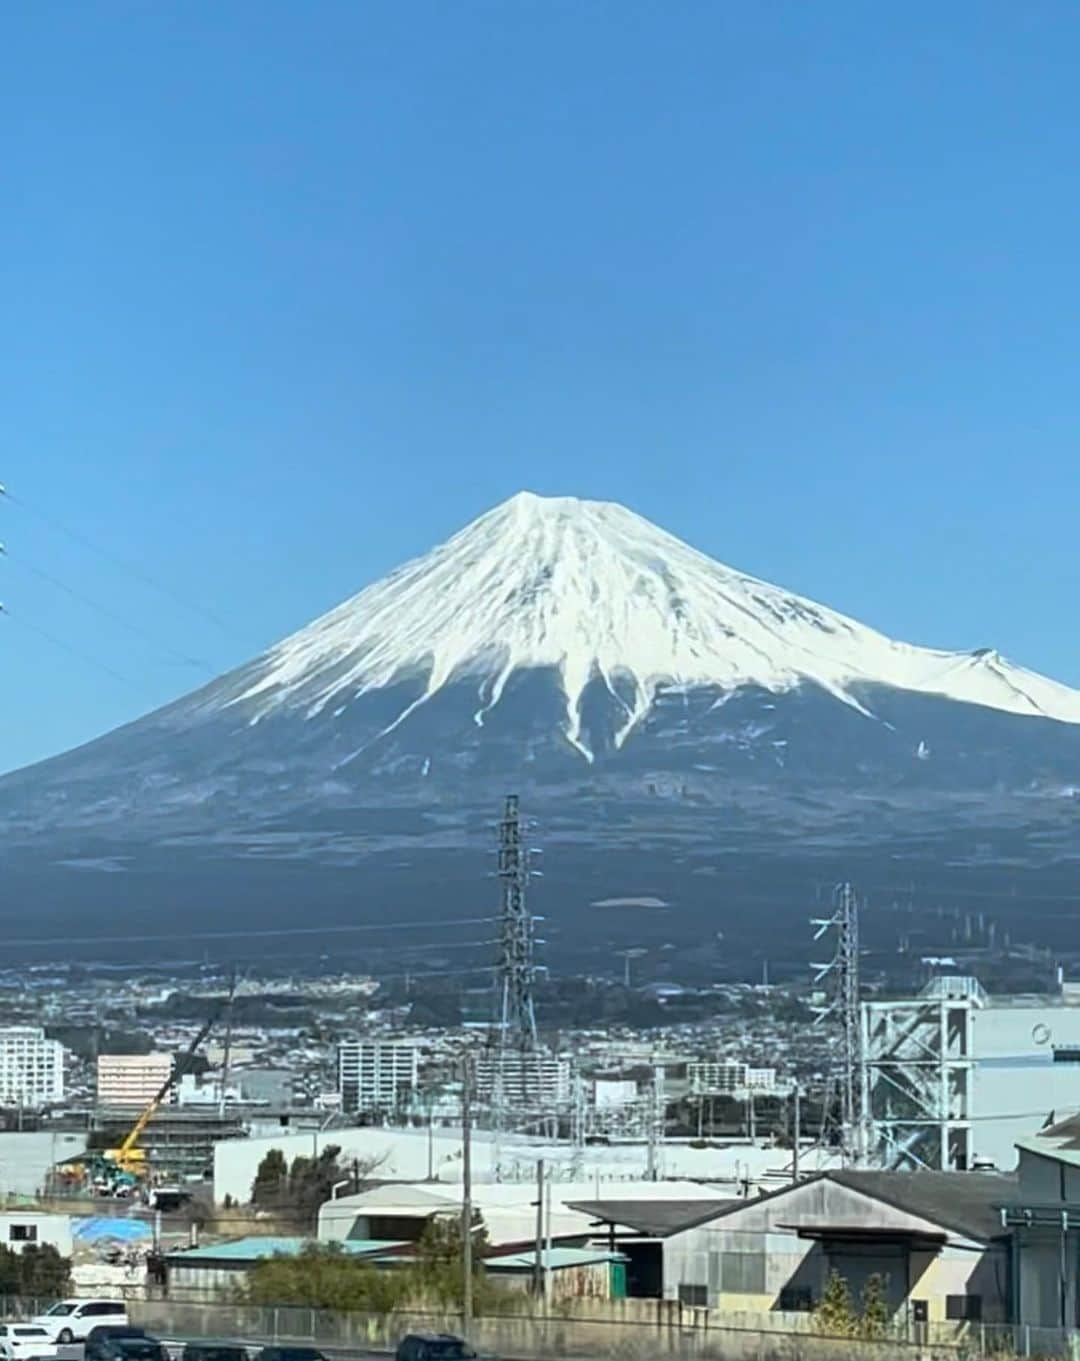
[(179, 1069), (128, 1157)]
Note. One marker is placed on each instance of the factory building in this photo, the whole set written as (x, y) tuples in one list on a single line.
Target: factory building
[(31, 1068), (935, 1240), (954, 1077)]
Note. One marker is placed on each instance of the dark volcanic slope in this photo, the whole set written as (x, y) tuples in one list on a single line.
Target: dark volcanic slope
[(353, 774)]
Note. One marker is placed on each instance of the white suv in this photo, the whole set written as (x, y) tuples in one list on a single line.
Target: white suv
[(71, 1320), (18, 1340)]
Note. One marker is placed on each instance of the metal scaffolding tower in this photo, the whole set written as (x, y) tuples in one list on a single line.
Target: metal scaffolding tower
[(841, 977), (917, 1076)]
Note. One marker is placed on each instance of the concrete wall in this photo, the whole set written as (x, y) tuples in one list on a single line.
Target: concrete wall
[(630, 1330), (403, 1155), (26, 1159), (1015, 1079)]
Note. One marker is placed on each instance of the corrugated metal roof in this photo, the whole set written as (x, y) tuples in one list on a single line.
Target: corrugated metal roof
[(257, 1249), (655, 1218), (967, 1203), (555, 1259)]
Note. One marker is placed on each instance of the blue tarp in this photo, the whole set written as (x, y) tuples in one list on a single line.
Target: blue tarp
[(127, 1230)]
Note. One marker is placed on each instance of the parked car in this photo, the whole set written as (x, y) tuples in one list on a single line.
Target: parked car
[(120, 1342), (434, 1347), (214, 1351), (131, 1349), (24, 1339), (290, 1354), (71, 1320)]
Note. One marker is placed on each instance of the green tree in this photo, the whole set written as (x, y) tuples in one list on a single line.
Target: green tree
[(43, 1271), (835, 1314), (271, 1180), (312, 1180), (323, 1276), (875, 1307), (438, 1271), (37, 1270)]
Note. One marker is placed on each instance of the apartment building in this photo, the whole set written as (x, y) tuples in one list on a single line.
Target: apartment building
[(376, 1075), (131, 1079), (31, 1067)]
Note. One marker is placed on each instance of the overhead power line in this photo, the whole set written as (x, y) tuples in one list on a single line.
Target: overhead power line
[(104, 611), (184, 936), (84, 657), (118, 563)]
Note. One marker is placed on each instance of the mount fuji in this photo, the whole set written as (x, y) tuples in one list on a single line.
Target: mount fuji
[(683, 734)]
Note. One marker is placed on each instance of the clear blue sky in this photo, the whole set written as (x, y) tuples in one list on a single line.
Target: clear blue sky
[(292, 291)]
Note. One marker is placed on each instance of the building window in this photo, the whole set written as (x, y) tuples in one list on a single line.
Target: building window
[(965, 1307), (796, 1299), (22, 1233), (696, 1296), (742, 1273)]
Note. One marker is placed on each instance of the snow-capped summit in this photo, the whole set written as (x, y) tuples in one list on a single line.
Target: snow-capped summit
[(596, 592)]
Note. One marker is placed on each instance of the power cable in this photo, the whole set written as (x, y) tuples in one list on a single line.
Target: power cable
[(84, 657), (249, 935), (103, 610), (119, 563)]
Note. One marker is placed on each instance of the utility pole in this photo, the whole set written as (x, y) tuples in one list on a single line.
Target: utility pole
[(797, 1136), (656, 1110), (547, 1242), (226, 1059), (466, 1197), (538, 1264)]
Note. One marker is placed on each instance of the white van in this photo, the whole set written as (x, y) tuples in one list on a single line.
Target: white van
[(71, 1320)]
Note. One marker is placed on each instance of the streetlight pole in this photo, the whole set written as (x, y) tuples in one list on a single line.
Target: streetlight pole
[(466, 1197)]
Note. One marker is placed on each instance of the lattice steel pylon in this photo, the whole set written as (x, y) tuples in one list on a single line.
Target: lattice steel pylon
[(516, 1018), (841, 973)]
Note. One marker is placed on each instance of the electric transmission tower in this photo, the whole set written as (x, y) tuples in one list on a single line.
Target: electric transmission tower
[(513, 1035), (840, 975), (516, 1019)]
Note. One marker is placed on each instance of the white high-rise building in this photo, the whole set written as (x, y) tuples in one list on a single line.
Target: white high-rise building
[(524, 1080), (376, 1075), (31, 1067), (131, 1079)]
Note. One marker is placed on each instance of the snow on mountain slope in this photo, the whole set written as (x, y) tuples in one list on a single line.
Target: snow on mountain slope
[(592, 590)]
